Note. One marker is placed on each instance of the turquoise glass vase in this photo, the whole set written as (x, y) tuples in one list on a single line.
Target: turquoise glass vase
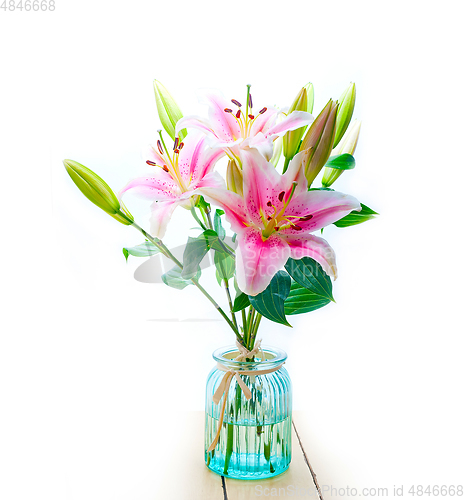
[(254, 440)]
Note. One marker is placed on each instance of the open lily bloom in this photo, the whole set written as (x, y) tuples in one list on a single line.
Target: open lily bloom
[(176, 179), (274, 218), (233, 127)]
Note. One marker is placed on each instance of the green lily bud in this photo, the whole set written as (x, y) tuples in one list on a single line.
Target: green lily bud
[(310, 97), (168, 111), (292, 138), (345, 112), (347, 145), (320, 137), (234, 180), (97, 191)]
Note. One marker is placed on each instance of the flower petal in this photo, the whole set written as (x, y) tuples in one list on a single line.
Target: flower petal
[(211, 180), (160, 186), (263, 122), (224, 124), (264, 145), (190, 155), (318, 249), (196, 122), (295, 120), (325, 207), (161, 215), (231, 203), (257, 261)]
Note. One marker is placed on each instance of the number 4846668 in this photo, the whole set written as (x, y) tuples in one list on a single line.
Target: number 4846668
[(27, 5)]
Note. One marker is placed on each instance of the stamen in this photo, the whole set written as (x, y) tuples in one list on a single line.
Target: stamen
[(153, 164), (281, 195), (251, 117), (227, 110), (176, 151), (250, 101), (159, 147), (237, 103), (298, 228), (307, 217), (269, 217), (238, 114), (165, 168), (269, 204), (277, 228), (181, 145), (262, 111), (176, 140)]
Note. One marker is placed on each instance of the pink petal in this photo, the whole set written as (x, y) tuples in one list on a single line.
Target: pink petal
[(296, 173), (206, 164), (264, 145), (257, 261), (318, 249), (212, 180), (189, 156), (231, 203), (196, 122), (159, 186), (224, 124), (262, 123), (325, 207), (161, 215), (151, 153), (295, 120)]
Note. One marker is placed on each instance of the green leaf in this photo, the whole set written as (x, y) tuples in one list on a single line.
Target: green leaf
[(174, 279), (301, 300), (212, 240), (270, 303), (225, 265), (217, 224), (341, 162), (146, 249), (195, 251), (356, 217), (309, 274), (241, 302)]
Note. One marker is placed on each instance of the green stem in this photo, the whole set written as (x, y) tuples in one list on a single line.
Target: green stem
[(165, 251), (196, 217), (254, 331)]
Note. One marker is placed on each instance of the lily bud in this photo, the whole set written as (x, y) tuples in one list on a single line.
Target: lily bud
[(320, 137), (168, 111), (97, 191), (291, 139), (277, 151), (310, 97), (347, 145), (345, 112), (234, 180)]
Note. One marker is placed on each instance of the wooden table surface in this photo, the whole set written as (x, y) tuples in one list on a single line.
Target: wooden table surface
[(188, 477)]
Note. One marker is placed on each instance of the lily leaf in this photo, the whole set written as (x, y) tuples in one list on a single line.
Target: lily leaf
[(146, 249), (220, 231), (309, 274), (301, 300), (195, 251), (225, 265), (241, 302), (174, 279), (341, 162), (270, 302), (355, 217)]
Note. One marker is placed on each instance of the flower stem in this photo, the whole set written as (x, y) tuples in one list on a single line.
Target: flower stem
[(165, 251)]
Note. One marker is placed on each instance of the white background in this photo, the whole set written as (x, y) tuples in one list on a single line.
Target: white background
[(86, 364)]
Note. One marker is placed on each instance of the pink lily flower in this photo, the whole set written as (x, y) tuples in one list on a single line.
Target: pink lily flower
[(230, 128), (176, 179), (274, 219)]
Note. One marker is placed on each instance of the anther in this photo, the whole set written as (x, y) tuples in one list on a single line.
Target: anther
[(159, 147), (153, 164), (237, 103), (227, 110), (250, 101), (165, 168), (181, 145), (307, 217), (269, 217), (269, 204), (262, 111), (298, 228), (176, 151), (238, 114), (277, 228), (176, 140), (281, 195), (251, 117)]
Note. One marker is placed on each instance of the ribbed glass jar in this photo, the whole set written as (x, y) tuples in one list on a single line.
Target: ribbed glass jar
[(255, 437)]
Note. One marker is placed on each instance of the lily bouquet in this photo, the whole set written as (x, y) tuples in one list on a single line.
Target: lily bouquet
[(273, 266), (277, 265)]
